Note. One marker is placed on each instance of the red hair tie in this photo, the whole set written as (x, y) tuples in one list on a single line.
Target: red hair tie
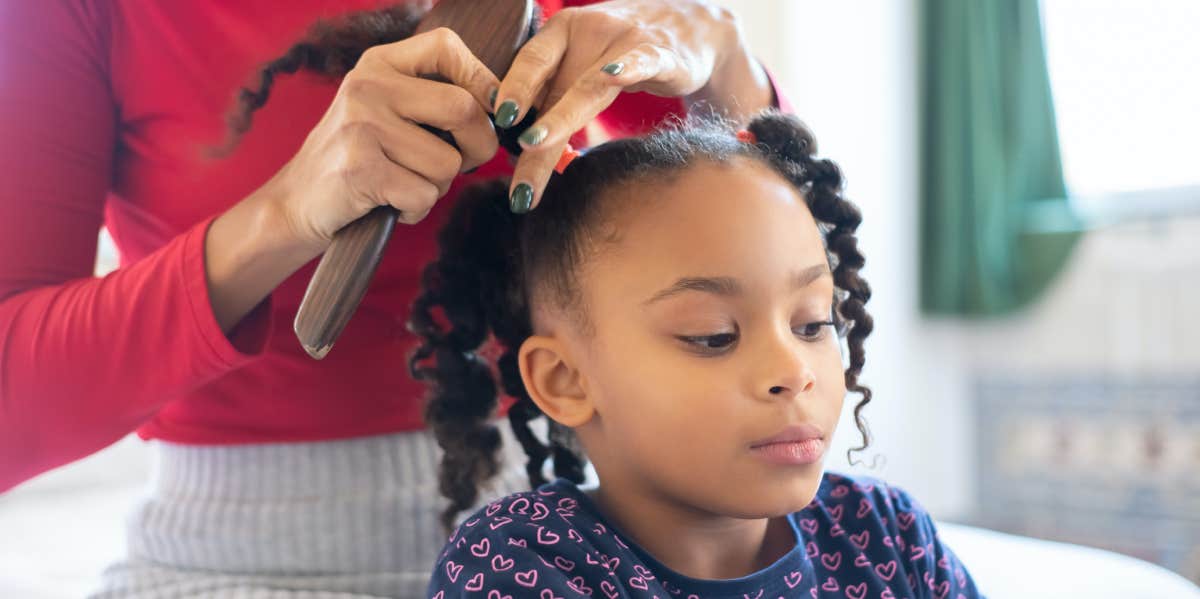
[(747, 136), (569, 153)]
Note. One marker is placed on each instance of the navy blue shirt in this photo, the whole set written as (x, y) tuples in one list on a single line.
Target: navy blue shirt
[(858, 538)]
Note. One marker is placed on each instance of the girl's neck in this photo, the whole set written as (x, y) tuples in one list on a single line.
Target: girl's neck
[(691, 542)]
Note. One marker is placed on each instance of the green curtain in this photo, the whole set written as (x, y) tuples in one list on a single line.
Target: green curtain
[(995, 223)]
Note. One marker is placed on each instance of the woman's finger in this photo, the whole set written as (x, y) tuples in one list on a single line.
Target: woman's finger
[(438, 52), (587, 97), (534, 65)]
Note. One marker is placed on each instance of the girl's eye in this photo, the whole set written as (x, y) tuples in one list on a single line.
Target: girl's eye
[(711, 343), (814, 331)]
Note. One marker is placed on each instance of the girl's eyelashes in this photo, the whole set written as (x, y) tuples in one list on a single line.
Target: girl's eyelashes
[(720, 342), (815, 331)]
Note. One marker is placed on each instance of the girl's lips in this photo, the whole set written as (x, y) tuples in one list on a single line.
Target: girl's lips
[(796, 445), (794, 453)]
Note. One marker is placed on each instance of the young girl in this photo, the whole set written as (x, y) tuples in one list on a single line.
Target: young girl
[(674, 307)]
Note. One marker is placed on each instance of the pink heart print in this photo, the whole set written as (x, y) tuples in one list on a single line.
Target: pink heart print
[(548, 594), (476, 583), (861, 539), (793, 579), (494, 594), (831, 585), (452, 570), (481, 549), (886, 571), (836, 512), (522, 502), (809, 525), (832, 560), (546, 537), (501, 563), (527, 579), (862, 561), (864, 508), (563, 563), (858, 591)]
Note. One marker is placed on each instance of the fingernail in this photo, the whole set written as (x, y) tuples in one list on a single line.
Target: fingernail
[(492, 98), (522, 199), (613, 68), (506, 114), (533, 135)]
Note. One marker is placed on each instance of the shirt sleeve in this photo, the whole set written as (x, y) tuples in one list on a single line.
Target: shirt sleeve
[(934, 570), (84, 360)]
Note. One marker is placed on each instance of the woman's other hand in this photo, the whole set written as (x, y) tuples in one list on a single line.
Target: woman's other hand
[(585, 56)]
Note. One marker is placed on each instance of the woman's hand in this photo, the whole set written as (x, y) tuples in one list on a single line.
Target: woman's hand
[(584, 57), (369, 150)]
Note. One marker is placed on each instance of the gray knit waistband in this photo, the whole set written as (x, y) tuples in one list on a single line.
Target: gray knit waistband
[(324, 508)]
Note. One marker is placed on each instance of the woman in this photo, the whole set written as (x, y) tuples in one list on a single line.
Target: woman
[(274, 471)]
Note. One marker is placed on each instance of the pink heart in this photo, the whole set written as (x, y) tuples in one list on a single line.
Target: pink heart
[(793, 579), (862, 561), (836, 512), (501, 563), (643, 572), (906, 520), (571, 534), (481, 548), (864, 507), (563, 563), (548, 594), (612, 563), (599, 529), (887, 594), (918, 552), (831, 585), (539, 511), (527, 579), (832, 560), (840, 491), (452, 570), (608, 589), (861, 539), (577, 585), (546, 537), (887, 541), (566, 503), (886, 571), (501, 521), (811, 549), (837, 530), (476, 583), (638, 582), (493, 508), (494, 594), (943, 589), (857, 591), (809, 525), (517, 542), (470, 523), (521, 501)]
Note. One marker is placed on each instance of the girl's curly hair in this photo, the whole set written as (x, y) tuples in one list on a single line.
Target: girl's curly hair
[(491, 261)]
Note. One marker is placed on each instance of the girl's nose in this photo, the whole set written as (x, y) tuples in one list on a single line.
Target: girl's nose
[(787, 372)]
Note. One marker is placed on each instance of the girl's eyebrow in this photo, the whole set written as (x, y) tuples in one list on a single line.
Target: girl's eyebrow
[(729, 286)]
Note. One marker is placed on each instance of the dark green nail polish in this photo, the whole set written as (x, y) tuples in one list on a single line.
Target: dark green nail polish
[(613, 68), (492, 98), (506, 115), (534, 135), (522, 199)]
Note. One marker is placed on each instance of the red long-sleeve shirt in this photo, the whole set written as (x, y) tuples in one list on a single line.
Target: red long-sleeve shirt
[(106, 107)]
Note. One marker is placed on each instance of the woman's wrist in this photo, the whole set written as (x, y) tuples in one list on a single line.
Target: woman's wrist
[(248, 251), (739, 86)]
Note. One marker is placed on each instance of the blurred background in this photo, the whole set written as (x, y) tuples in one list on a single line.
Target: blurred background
[(1028, 176)]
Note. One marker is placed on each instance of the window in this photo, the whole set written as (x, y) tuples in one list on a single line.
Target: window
[(1126, 83)]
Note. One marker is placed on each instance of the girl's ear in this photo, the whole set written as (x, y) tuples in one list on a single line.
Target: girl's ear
[(554, 382)]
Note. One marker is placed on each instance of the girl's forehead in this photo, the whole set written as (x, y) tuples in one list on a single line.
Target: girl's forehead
[(710, 219)]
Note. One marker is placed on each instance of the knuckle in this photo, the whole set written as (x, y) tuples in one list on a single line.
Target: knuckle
[(461, 107), (445, 37)]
